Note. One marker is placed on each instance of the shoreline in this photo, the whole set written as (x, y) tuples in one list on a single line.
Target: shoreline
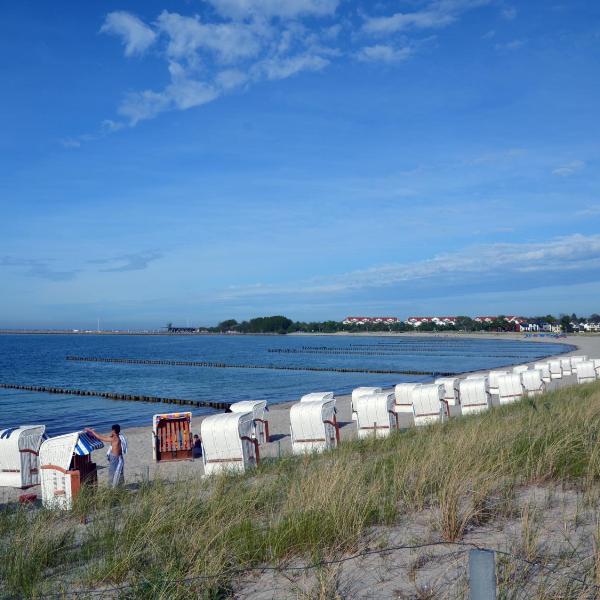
[(139, 462)]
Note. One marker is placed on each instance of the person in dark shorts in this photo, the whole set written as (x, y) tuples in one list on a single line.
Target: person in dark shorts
[(197, 447)]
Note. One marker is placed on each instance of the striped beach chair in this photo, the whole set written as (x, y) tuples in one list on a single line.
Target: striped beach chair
[(66, 465)]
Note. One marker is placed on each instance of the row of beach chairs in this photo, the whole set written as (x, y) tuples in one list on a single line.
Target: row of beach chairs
[(376, 412), (231, 441)]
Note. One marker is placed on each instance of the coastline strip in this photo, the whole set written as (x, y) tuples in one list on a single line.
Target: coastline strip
[(117, 396), (218, 365)]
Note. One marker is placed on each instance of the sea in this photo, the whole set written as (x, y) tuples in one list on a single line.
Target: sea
[(40, 360)]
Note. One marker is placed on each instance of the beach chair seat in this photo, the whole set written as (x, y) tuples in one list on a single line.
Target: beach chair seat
[(260, 423), (510, 388), (375, 414), (585, 371), (362, 391), (532, 382), (228, 444), (172, 436), (474, 395), (429, 404), (313, 426)]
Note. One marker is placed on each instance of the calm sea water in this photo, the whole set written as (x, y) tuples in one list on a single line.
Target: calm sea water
[(40, 360)]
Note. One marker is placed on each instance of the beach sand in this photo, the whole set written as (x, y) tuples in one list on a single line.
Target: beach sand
[(139, 462)]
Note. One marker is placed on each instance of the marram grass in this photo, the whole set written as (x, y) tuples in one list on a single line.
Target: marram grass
[(300, 508)]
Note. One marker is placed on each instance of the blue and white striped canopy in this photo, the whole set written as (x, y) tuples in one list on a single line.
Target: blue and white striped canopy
[(86, 444)]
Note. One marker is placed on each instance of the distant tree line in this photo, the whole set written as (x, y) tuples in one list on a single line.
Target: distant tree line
[(282, 325)]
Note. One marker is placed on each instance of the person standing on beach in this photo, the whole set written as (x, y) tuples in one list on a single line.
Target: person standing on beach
[(116, 460)]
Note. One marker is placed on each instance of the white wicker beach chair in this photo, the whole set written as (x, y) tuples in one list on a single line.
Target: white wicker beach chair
[(429, 404), (567, 370), (544, 369), (362, 391), (556, 370), (60, 481), (520, 368), (510, 388), (493, 380), (313, 426), (586, 372), (532, 382), (474, 395), (19, 451), (403, 404), (260, 423), (375, 414), (227, 443)]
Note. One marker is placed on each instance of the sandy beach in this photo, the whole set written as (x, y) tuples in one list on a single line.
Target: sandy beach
[(139, 462)]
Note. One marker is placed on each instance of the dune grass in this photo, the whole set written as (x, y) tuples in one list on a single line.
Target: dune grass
[(301, 508)]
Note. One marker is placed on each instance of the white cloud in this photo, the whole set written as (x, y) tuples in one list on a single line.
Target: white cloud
[(280, 68), (510, 46), (591, 211), (509, 13), (136, 35), (182, 93), (383, 53), (228, 41), (569, 169), (249, 41), (435, 14), (241, 9)]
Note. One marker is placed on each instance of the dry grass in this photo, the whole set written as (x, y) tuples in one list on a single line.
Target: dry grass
[(303, 508)]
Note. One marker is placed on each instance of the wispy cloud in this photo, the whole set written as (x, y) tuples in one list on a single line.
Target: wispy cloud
[(509, 13), (242, 9), (498, 262), (384, 53), (434, 15), (590, 211), (127, 262), (40, 269), (510, 46), (569, 168)]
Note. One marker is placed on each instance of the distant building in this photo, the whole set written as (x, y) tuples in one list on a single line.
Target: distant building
[(508, 318), (370, 320), (417, 321)]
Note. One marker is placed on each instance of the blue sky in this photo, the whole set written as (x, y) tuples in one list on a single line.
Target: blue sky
[(200, 160)]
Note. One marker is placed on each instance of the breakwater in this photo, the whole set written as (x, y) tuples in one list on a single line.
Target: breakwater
[(219, 365), (117, 396), (372, 352)]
